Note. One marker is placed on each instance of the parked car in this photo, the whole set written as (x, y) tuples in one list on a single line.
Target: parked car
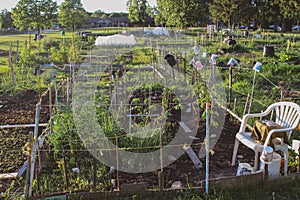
[(243, 27), (295, 28), (272, 27), (251, 27)]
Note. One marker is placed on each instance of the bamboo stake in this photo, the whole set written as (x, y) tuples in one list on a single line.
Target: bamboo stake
[(66, 172), (234, 105), (246, 104), (22, 125), (95, 169), (68, 87), (50, 110), (17, 52), (298, 158), (117, 158)]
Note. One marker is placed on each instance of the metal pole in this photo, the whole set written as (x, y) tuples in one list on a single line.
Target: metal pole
[(130, 120), (34, 148), (28, 168), (207, 148)]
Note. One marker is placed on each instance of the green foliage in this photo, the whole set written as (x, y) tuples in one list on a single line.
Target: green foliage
[(66, 52), (288, 56), (34, 14), (139, 12), (48, 43), (5, 19), (64, 132), (230, 11), (181, 13), (72, 14)]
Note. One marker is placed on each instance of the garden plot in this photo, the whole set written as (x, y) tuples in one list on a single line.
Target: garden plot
[(120, 76), (70, 163)]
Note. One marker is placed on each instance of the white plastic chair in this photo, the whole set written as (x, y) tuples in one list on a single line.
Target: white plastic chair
[(287, 114)]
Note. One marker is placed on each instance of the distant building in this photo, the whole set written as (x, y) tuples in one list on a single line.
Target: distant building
[(107, 22)]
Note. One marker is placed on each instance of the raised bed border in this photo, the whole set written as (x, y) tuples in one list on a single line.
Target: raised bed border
[(253, 181)]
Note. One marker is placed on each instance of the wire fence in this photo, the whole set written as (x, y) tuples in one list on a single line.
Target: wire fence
[(62, 93)]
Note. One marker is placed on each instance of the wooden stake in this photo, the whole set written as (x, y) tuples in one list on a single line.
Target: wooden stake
[(95, 170), (234, 105), (230, 86), (66, 172), (184, 69), (246, 104), (193, 75), (17, 52), (50, 109), (298, 157), (11, 65), (160, 177), (117, 158)]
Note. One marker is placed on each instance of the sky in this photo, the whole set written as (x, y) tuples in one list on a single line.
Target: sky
[(89, 5)]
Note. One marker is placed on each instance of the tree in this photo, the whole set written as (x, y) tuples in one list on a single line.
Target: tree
[(278, 12), (181, 13), (37, 14), (139, 11), (119, 14), (230, 11), (289, 11), (72, 14), (5, 19), (98, 14)]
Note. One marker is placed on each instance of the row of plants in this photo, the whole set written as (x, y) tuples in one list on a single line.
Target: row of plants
[(65, 143)]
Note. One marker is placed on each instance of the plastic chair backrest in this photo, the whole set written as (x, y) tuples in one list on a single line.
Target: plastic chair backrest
[(287, 114)]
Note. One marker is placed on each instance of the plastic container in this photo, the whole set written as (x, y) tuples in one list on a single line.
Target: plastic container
[(244, 169), (274, 167)]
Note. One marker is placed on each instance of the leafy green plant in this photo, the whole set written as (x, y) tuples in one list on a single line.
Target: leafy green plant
[(288, 56)]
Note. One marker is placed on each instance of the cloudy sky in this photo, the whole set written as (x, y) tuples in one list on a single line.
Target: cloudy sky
[(89, 5)]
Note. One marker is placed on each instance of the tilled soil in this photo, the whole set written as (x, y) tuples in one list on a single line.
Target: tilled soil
[(20, 109)]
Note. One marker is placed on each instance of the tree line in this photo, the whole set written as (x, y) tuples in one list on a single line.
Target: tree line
[(41, 14)]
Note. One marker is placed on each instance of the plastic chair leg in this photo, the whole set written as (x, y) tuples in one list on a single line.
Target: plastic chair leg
[(234, 153)]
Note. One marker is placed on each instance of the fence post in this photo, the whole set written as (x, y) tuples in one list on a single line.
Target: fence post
[(17, 52), (230, 86), (13, 78)]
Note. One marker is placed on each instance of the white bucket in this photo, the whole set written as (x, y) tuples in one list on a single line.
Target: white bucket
[(274, 167)]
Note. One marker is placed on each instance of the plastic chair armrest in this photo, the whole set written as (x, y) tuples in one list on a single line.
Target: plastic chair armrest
[(276, 131)]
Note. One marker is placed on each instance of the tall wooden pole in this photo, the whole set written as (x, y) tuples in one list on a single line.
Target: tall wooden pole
[(11, 65), (251, 96), (230, 86)]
